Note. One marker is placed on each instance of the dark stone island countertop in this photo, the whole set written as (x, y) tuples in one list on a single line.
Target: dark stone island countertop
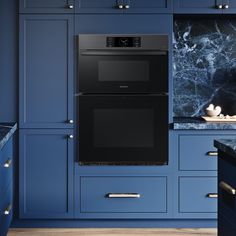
[(197, 123), (226, 145), (6, 132)]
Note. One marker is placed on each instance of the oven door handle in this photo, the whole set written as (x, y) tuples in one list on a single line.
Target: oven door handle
[(123, 53)]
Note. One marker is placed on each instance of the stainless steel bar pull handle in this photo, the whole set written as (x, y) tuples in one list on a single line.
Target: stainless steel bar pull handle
[(8, 210), (123, 195), (7, 164), (212, 153), (226, 187), (212, 195)]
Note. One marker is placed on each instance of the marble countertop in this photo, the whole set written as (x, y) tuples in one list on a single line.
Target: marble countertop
[(226, 145), (6, 132), (197, 123)]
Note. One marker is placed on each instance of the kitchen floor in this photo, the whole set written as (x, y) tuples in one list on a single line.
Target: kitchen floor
[(113, 232)]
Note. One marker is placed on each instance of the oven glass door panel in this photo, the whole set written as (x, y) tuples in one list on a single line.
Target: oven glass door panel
[(123, 129), (122, 72)]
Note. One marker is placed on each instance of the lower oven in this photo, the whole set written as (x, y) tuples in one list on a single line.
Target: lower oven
[(123, 129)]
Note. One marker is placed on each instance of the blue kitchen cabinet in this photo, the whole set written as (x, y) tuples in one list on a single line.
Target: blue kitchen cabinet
[(129, 197), (46, 71), (198, 7), (46, 174), (6, 186), (229, 6), (205, 7), (124, 6), (45, 6)]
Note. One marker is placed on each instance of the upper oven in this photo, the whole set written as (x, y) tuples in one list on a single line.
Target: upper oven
[(123, 64)]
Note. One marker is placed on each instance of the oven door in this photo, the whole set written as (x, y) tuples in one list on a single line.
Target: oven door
[(123, 130), (122, 71)]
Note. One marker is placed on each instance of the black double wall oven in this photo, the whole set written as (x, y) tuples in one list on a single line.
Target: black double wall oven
[(122, 99)]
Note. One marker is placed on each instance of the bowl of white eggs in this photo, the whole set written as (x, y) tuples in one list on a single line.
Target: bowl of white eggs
[(213, 111)]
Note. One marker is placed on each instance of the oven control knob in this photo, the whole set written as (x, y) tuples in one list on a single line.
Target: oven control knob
[(124, 42)]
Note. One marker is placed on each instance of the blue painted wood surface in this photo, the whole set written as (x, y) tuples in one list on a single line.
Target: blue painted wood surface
[(46, 174), (134, 6), (45, 6), (94, 202), (46, 71), (8, 61)]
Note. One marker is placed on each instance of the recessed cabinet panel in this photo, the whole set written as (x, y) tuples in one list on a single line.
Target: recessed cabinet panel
[(127, 197), (229, 6), (148, 6), (47, 6), (197, 152), (99, 6), (46, 174), (198, 7), (46, 71), (194, 194)]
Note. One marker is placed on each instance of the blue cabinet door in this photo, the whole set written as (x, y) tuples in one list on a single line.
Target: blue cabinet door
[(99, 6), (148, 6), (124, 6), (198, 7), (46, 71), (46, 174), (45, 6), (229, 6)]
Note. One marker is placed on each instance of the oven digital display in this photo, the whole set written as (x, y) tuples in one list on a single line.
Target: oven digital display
[(133, 42)]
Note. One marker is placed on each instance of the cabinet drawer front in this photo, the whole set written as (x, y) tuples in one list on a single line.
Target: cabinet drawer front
[(197, 152), (6, 211), (148, 194), (194, 194), (6, 166), (45, 6), (197, 7)]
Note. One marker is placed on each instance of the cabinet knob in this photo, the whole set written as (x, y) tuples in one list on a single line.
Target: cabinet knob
[(120, 6), (71, 6), (71, 121), (8, 210), (7, 164), (226, 6), (127, 6), (219, 6), (70, 136)]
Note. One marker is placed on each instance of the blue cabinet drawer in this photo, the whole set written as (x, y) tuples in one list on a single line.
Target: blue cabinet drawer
[(6, 167), (46, 6), (197, 152), (197, 7), (123, 6), (6, 211), (197, 194), (123, 194)]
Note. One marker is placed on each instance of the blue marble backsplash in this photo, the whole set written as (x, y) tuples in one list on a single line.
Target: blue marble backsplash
[(204, 66)]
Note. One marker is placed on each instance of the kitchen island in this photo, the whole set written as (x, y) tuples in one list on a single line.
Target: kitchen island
[(6, 175), (226, 186)]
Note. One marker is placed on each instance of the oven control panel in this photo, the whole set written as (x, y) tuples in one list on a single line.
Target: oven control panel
[(124, 42)]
